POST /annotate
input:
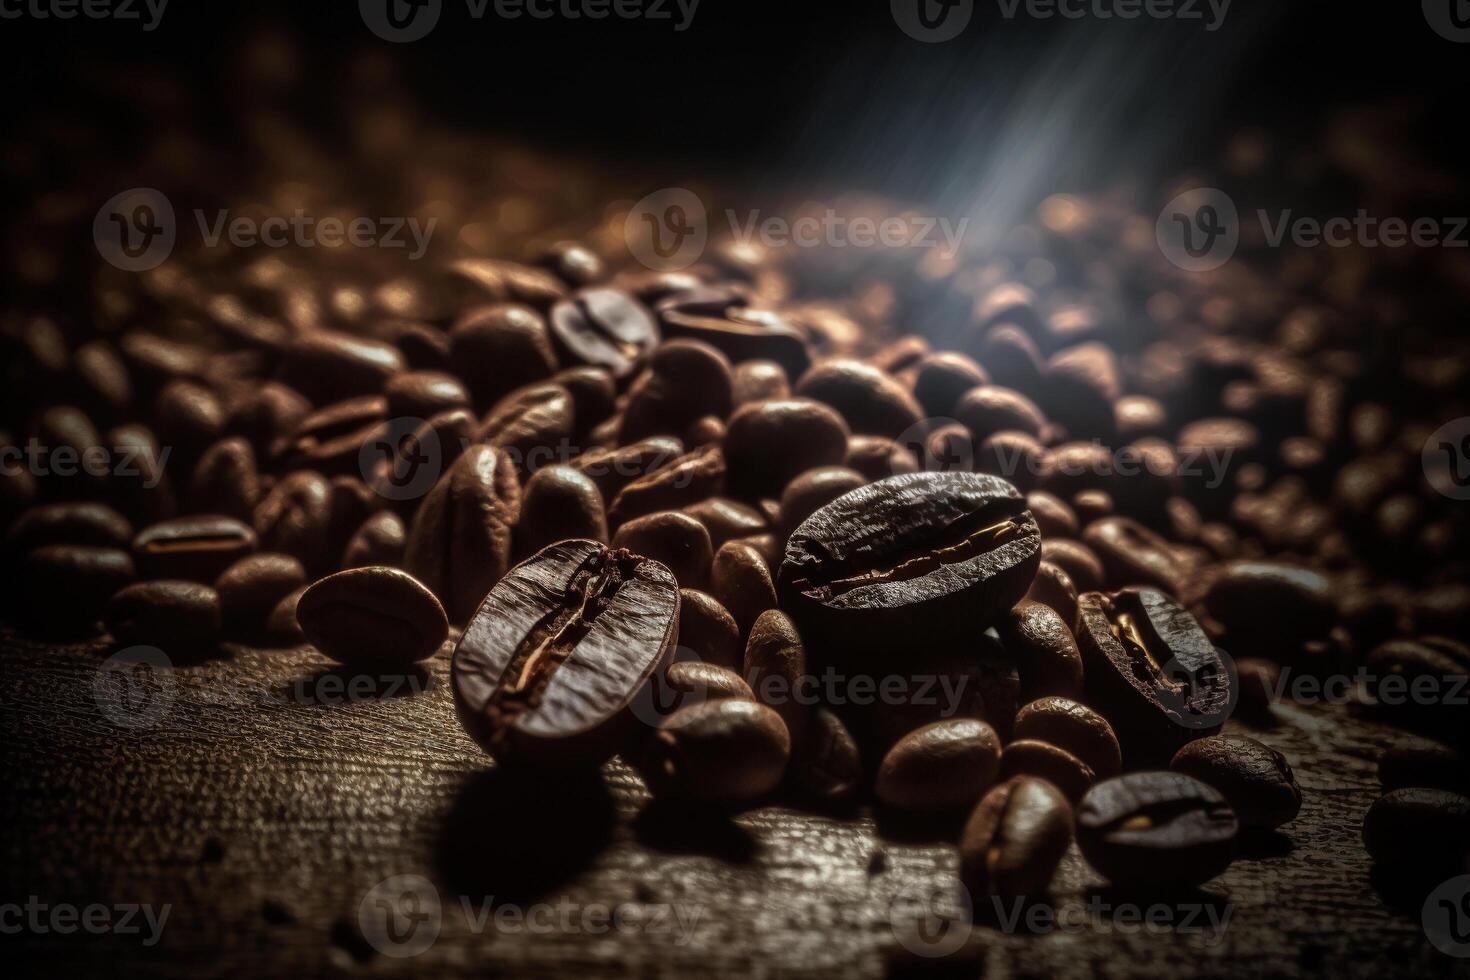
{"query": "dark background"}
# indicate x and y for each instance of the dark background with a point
(771, 91)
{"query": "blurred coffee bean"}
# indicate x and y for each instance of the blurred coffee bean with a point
(226, 480)
(557, 503)
(770, 442)
(1054, 516)
(675, 539)
(176, 616)
(613, 469)
(606, 328)
(373, 616)
(941, 378)
(877, 457)
(726, 519)
(329, 367)
(1080, 563)
(725, 751)
(251, 587)
(424, 394)
(1286, 603)
(707, 628)
(80, 522)
(686, 480)
(1418, 829)
(685, 381)
(989, 409)
(296, 518)
(826, 767)
(869, 400)
(813, 490)
(65, 587)
(533, 425)
(379, 540)
(496, 349)
(1422, 763)
(1055, 588)
(1156, 829)
(193, 548)
(755, 381)
(776, 669)
(1131, 554)
(741, 581)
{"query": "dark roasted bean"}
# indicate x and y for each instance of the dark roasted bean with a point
(1156, 828)
(1046, 654)
(1255, 779)
(707, 628)
(769, 442)
(1419, 828)
(250, 588)
(725, 751)
(193, 548)
(552, 661)
(1025, 757)
(677, 540)
(947, 765)
(606, 328)
(1015, 839)
(1074, 727)
(372, 616)
(496, 349)
(171, 614)
(558, 502)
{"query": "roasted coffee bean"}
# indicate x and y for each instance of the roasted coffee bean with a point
(1413, 682)
(267, 413)
(176, 616)
(1152, 671)
(1288, 604)
(329, 367)
(878, 458)
(296, 518)
(250, 588)
(1081, 386)
(912, 556)
(106, 387)
(707, 628)
(331, 439)
(1054, 516)
(1045, 651)
(1054, 587)
(380, 540)
(1075, 727)
(755, 381)
(480, 279)
(1131, 554)
(676, 540)
(372, 616)
(1255, 779)
(740, 580)
(685, 381)
(404, 471)
(826, 767)
(727, 520)
(697, 679)
(574, 263)
(966, 677)
(726, 751)
(424, 347)
(947, 765)
(496, 349)
(1136, 416)
(869, 400)
(594, 395)
(687, 479)
(187, 417)
(1156, 829)
(192, 548)
(558, 502)
(989, 409)
(1426, 764)
(1025, 757)
(719, 317)
(70, 448)
(83, 523)
(1015, 839)
(814, 490)
(606, 328)
(281, 627)
(949, 447)
(1016, 456)
(66, 586)
(424, 394)
(614, 469)
(1259, 680)
(533, 424)
(1080, 562)
(460, 542)
(552, 661)
(769, 442)
(941, 378)
(1418, 828)
(142, 489)
(226, 480)
(776, 667)
(1092, 506)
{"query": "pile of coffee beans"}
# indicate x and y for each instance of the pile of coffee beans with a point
(737, 527)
